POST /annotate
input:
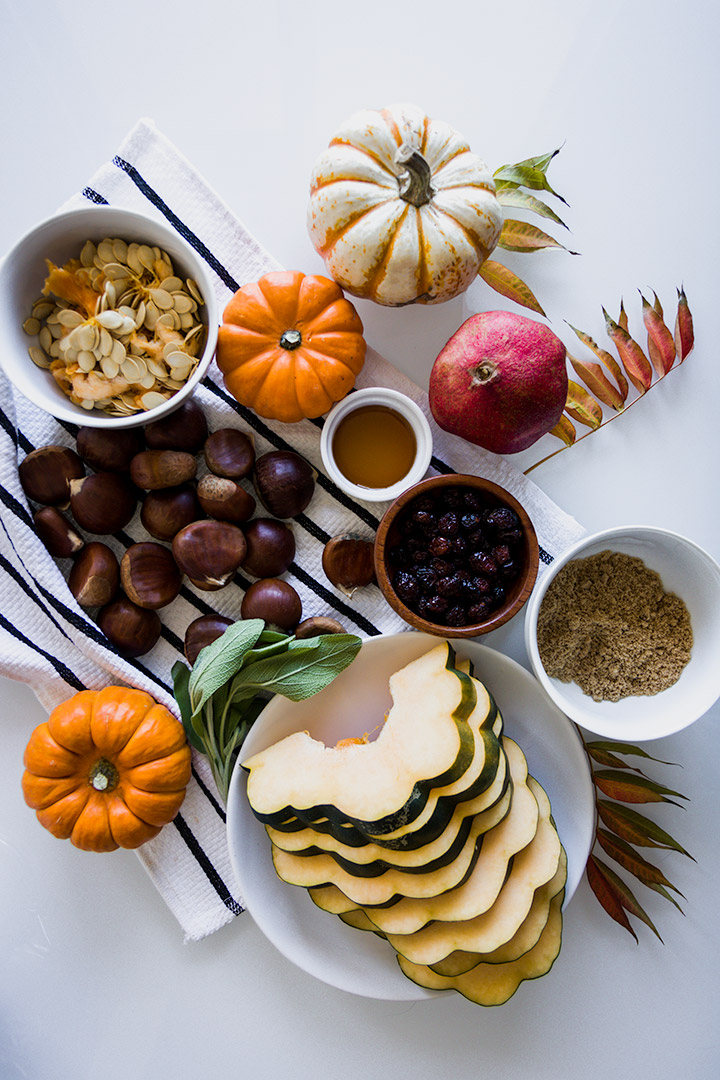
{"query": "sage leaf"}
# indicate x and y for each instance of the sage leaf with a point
(218, 662)
(302, 671)
(636, 828)
(508, 284)
(181, 676)
(508, 195)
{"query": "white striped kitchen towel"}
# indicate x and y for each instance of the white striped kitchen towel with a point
(49, 642)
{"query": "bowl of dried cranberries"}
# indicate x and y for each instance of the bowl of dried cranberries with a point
(456, 555)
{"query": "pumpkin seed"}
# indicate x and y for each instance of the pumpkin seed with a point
(147, 382)
(42, 308)
(192, 288)
(45, 338)
(109, 368)
(118, 353)
(120, 250)
(31, 326)
(162, 299)
(106, 342)
(86, 361)
(152, 399)
(133, 369)
(87, 336)
(183, 303)
(88, 253)
(158, 369)
(105, 251)
(39, 356)
(110, 320)
(70, 318)
(146, 256)
(171, 284)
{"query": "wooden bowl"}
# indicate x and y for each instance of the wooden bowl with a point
(493, 496)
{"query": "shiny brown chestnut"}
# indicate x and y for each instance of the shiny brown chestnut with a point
(317, 625)
(270, 547)
(133, 630)
(230, 452)
(149, 575)
(45, 474)
(284, 483)
(203, 631)
(349, 563)
(225, 499)
(166, 511)
(102, 502)
(109, 451)
(155, 469)
(209, 552)
(95, 575)
(185, 429)
(275, 601)
(56, 533)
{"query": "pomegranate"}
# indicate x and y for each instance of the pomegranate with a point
(500, 382)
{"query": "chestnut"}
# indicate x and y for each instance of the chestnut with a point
(153, 469)
(45, 474)
(349, 563)
(270, 547)
(209, 552)
(131, 629)
(225, 499)
(230, 452)
(273, 600)
(95, 575)
(109, 451)
(56, 533)
(317, 625)
(185, 429)
(102, 502)
(166, 511)
(202, 632)
(284, 482)
(149, 575)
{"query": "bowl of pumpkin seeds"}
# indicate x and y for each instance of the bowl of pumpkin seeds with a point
(108, 317)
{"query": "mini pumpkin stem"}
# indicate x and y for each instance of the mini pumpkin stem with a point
(291, 339)
(415, 184)
(103, 775)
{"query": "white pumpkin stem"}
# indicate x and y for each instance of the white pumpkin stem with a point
(415, 181)
(484, 373)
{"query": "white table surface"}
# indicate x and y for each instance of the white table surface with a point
(94, 977)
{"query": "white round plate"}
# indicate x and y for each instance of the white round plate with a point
(355, 703)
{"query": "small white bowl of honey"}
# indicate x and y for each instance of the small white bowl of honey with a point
(375, 444)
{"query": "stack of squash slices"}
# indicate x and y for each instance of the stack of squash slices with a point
(433, 835)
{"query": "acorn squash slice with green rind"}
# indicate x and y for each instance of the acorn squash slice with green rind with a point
(494, 984)
(513, 833)
(425, 742)
(489, 804)
(479, 891)
(522, 940)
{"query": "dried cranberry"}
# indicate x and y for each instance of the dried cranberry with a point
(456, 616)
(481, 562)
(510, 536)
(450, 585)
(480, 585)
(424, 502)
(479, 612)
(478, 540)
(471, 500)
(502, 517)
(407, 527)
(458, 547)
(453, 498)
(424, 520)
(440, 546)
(420, 556)
(469, 522)
(406, 586)
(509, 570)
(426, 577)
(501, 554)
(448, 524)
(433, 607)
(441, 567)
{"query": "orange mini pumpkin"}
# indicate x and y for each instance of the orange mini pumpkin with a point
(107, 769)
(290, 346)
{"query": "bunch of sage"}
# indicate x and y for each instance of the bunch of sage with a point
(233, 679)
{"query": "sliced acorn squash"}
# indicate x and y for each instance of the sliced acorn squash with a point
(494, 984)
(481, 888)
(425, 742)
(490, 850)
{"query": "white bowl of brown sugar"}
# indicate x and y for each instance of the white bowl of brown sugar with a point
(623, 633)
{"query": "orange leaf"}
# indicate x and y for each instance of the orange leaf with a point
(607, 894)
(503, 281)
(610, 363)
(522, 236)
(622, 317)
(564, 430)
(661, 345)
(684, 336)
(582, 407)
(636, 828)
(634, 360)
(632, 789)
(597, 382)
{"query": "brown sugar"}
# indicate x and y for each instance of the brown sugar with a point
(607, 624)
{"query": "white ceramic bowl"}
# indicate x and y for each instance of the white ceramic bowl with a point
(321, 943)
(22, 275)
(391, 399)
(690, 573)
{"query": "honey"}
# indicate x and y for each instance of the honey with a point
(374, 446)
